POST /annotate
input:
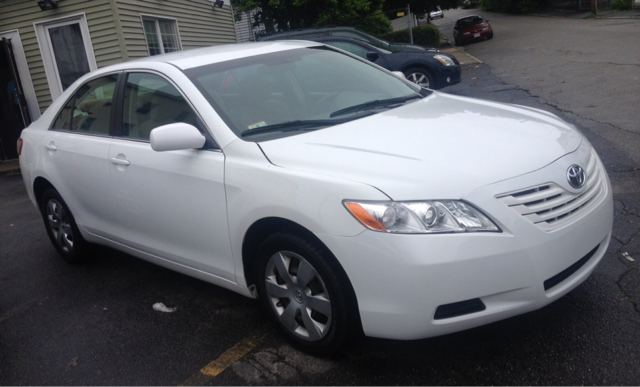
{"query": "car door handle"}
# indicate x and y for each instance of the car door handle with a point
(120, 161)
(51, 147)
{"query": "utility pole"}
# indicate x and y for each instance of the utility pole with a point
(411, 23)
(594, 7)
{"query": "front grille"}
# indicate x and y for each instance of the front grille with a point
(566, 273)
(550, 206)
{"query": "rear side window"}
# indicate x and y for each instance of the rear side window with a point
(348, 34)
(350, 47)
(89, 109)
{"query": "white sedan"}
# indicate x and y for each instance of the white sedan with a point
(347, 199)
(436, 13)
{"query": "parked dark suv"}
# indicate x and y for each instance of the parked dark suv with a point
(344, 32)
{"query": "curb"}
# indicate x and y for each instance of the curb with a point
(9, 167)
(459, 49)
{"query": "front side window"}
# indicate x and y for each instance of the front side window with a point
(161, 35)
(151, 101)
(89, 109)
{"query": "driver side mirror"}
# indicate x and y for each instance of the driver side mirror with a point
(372, 55)
(178, 136)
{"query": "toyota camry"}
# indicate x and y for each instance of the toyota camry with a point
(347, 199)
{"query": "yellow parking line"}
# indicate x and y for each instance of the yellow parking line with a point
(229, 357)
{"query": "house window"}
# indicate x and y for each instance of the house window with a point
(161, 34)
(66, 50)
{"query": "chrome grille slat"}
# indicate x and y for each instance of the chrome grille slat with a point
(550, 206)
(568, 207)
(538, 195)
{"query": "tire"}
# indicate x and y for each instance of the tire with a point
(420, 77)
(61, 227)
(288, 297)
(458, 42)
(490, 37)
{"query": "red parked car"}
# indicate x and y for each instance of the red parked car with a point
(471, 28)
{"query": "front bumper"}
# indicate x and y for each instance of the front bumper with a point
(401, 281)
(448, 76)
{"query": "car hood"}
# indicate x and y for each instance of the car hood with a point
(440, 147)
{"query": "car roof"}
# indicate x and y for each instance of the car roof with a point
(469, 17)
(304, 31)
(214, 54)
(343, 38)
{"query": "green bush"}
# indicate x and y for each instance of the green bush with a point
(425, 35)
(512, 6)
(374, 25)
(621, 5)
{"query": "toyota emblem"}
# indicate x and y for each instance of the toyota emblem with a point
(576, 176)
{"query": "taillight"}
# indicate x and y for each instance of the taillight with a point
(20, 142)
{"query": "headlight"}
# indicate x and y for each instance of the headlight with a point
(445, 60)
(434, 216)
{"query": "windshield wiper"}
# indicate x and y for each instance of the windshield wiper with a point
(291, 126)
(378, 103)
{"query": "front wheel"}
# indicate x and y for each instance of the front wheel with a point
(420, 77)
(304, 292)
(61, 227)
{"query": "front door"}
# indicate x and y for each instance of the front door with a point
(169, 204)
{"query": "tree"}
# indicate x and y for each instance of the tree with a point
(419, 7)
(282, 15)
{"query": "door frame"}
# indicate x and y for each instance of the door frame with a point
(23, 72)
(48, 56)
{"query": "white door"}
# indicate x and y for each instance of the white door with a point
(170, 204)
(77, 147)
(66, 50)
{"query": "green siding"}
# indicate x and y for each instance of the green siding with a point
(118, 38)
(199, 25)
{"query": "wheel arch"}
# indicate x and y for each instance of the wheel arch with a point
(40, 184)
(263, 228)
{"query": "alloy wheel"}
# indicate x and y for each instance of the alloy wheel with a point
(419, 79)
(60, 226)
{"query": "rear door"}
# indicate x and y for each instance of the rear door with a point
(77, 146)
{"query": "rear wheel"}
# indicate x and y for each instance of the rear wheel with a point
(304, 292)
(420, 77)
(61, 227)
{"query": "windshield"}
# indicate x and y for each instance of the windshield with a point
(297, 90)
